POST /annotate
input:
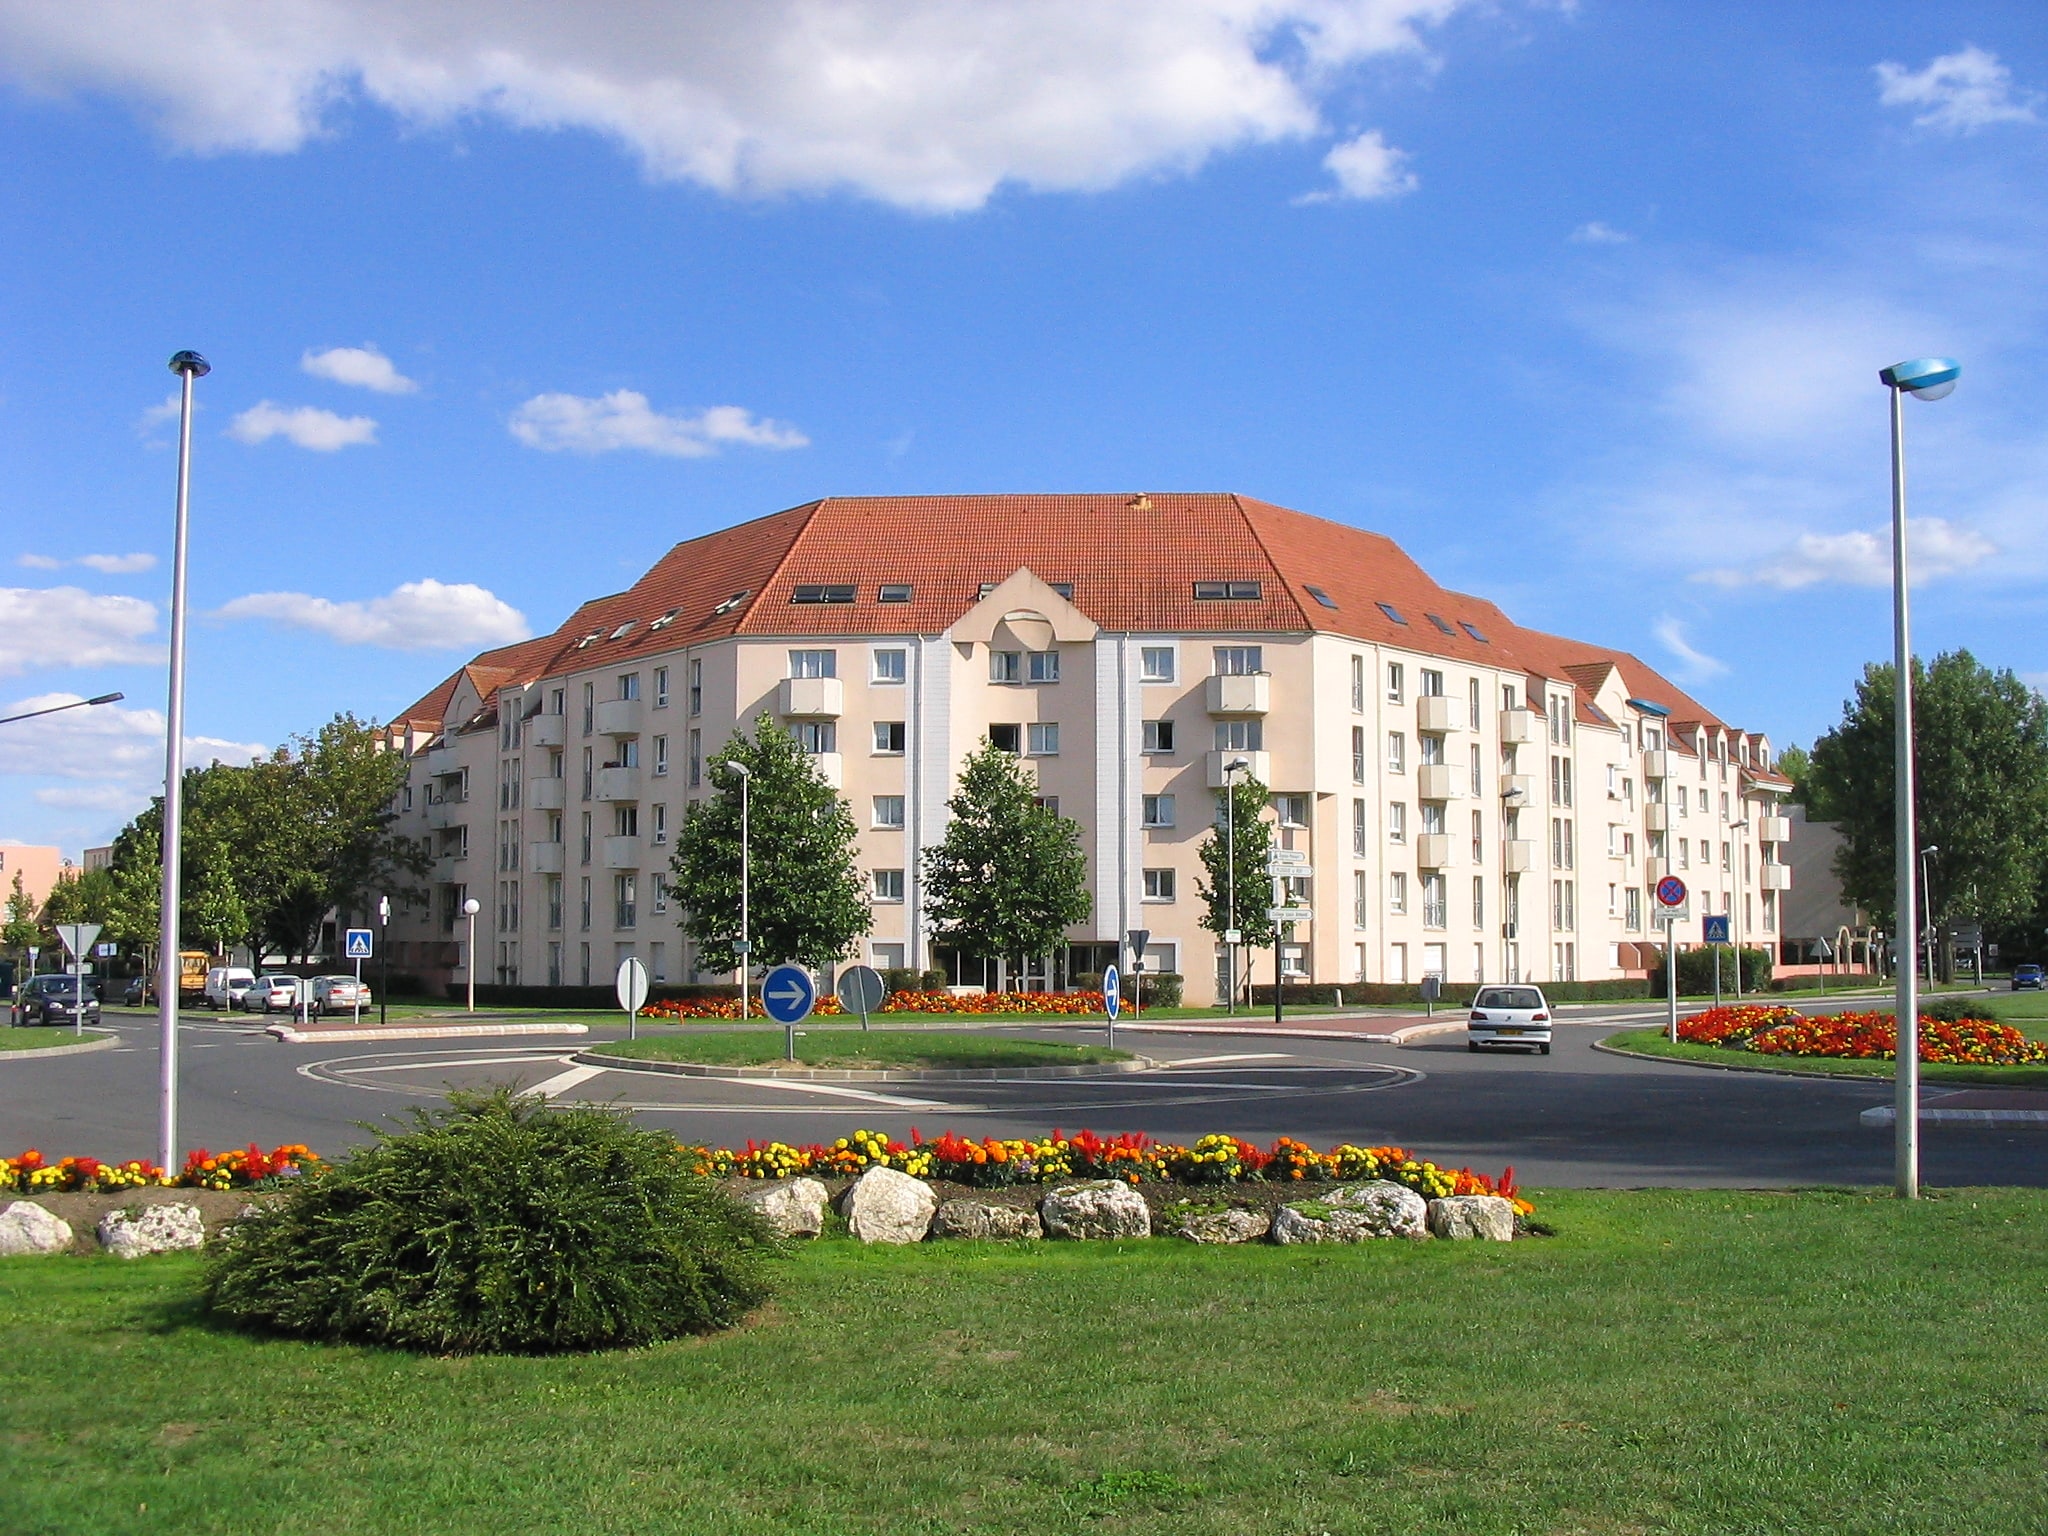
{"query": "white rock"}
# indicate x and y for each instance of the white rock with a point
(153, 1229)
(793, 1207)
(1095, 1208)
(981, 1220)
(885, 1206)
(1488, 1217)
(1224, 1226)
(1352, 1213)
(26, 1227)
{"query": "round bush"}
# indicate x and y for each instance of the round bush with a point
(499, 1225)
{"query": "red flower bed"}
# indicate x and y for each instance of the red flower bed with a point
(1860, 1037)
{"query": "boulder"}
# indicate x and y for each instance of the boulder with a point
(153, 1229)
(1095, 1208)
(793, 1207)
(1352, 1213)
(884, 1206)
(26, 1227)
(1224, 1227)
(977, 1219)
(1487, 1217)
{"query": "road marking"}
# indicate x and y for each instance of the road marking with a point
(447, 1061)
(1204, 1061)
(836, 1091)
(562, 1082)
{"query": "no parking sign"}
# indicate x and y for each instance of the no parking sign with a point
(1674, 901)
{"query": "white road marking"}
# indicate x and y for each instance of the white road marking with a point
(431, 1062)
(562, 1082)
(1204, 1061)
(834, 1090)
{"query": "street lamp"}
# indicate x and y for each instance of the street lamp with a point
(1929, 378)
(744, 950)
(470, 908)
(1927, 910)
(187, 366)
(105, 698)
(1231, 932)
(384, 949)
(1741, 890)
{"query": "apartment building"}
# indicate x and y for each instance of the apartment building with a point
(1476, 800)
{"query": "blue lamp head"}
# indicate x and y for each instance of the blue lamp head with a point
(1926, 378)
(192, 363)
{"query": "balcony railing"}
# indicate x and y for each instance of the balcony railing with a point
(1516, 726)
(615, 783)
(547, 794)
(1656, 764)
(1435, 850)
(444, 762)
(813, 697)
(544, 858)
(1774, 829)
(1656, 817)
(1439, 712)
(622, 853)
(1258, 765)
(1518, 856)
(1441, 781)
(1240, 693)
(1775, 877)
(546, 730)
(617, 717)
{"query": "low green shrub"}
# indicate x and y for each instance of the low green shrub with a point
(1696, 971)
(498, 1225)
(1162, 989)
(1953, 1010)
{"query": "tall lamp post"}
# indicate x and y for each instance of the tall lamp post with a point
(1927, 909)
(744, 950)
(1930, 378)
(384, 950)
(187, 366)
(1231, 932)
(470, 908)
(1734, 907)
(105, 698)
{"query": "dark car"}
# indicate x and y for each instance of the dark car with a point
(2028, 976)
(54, 1000)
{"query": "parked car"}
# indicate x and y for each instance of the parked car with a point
(223, 982)
(1509, 1015)
(2028, 976)
(275, 993)
(139, 991)
(54, 1000)
(339, 994)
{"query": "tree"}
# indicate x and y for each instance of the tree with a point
(1253, 836)
(21, 931)
(1797, 765)
(1009, 877)
(806, 903)
(1981, 760)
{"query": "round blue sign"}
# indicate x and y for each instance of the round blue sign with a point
(1112, 992)
(1671, 891)
(788, 993)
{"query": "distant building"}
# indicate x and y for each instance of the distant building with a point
(99, 858)
(40, 870)
(1478, 800)
(1815, 908)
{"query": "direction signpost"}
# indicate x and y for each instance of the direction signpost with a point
(1137, 939)
(632, 990)
(861, 989)
(1112, 1000)
(789, 994)
(1283, 864)
(78, 939)
(1674, 906)
(1714, 930)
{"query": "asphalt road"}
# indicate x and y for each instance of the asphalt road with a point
(1575, 1117)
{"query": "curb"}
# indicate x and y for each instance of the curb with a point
(597, 1058)
(293, 1036)
(1886, 1114)
(104, 1043)
(1743, 1066)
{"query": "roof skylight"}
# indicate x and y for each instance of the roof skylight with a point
(1438, 620)
(623, 630)
(1391, 612)
(1320, 595)
(1227, 591)
(1473, 630)
(665, 620)
(823, 592)
(732, 602)
(894, 592)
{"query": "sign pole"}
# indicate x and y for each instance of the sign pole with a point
(359, 992)
(384, 945)
(1671, 977)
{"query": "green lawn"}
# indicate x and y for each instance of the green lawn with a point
(1670, 1362)
(1652, 1042)
(42, 1039)
(854, 1047)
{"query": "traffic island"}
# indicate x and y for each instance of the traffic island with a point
(866, 1056)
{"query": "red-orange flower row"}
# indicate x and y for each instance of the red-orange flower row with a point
(1860, 1037)
(238, 1168)
(1068, 1004)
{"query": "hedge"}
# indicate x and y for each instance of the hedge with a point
(493, 995)
(1456, 994)
(1696, 972)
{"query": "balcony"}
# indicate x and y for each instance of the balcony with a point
(546, 730)
(617, 717)
(813, 697)
(1522, 786)
(612, 783)
(448, 811)
(1257, 765)
(1241, 693)
(544, 858)
(1774, 829)
(622, 853)
(1775, 877)
(1655, 869)
(1656, 765)
(1439, 712)
(1517, 856)
(1657, 817)
(444, 762)
(546, 794)
(449, 868)
(1516, 726)
(1441, 781)
(831, 767)
(1433, 850)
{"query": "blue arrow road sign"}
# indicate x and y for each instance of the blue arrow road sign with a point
(788, 993)
(1112, 992)
(358, 944)
(1716, 929)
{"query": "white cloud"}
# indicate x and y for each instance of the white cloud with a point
(1597, 233)
(162, 415)
(418, 616)
(321, 431)
(624, 419)
(39, 562)
(926, 104)
(1934, 548)
(117, 565)
(111, 759)
(1960, 92)
(1365, 167)
(1695, 665)
(364, 367)
(69, 627)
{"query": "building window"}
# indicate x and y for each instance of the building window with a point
(1157, 810)
(1478, 773)
(1397, 687)
(625, 821)
(1397, 892)
(1292, 810)
(1770, 910)
(1005, 666)
(1478, 837)
(657, 960)
(1561, 841)
(888, 885)
(816, 736)
(1358, 754)
(1240, 735)
(584, 962)
(661, 687)
(1227, 591)
(888, 810)
(891, 665)
(554, 893)
(659, 816)
(1042, 738)
(1432, 682)
(660, 756)
(1159, 885)
(813, 663)
(1433, 823)
(1472, 705)
(889, 738)
(586, 838)
(1632, 909)
(1397, 752)
(626, 909)
(1361, 899)
(1048, 803)
(894, 592)
(589, 705)
(657, 890)
(584, 906)
(1006, 738)
(1359, 825)
(1478, 901)
(1155, 664)
(823, 592)
(1239, 660)
(1358, 685)
(1159, 737)
(1435, 904)
(697, 687)
(696, 758)
(1397, 822)
(629, 685)
(1043, 667)
(1431, 751)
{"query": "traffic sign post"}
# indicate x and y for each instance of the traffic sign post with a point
(1674, 906)
(631, 985)
(1714, 930)
(78, 939)
(357, 948)
(1137, 939)
(861, 989)
(1112, 1000)
(789, 994)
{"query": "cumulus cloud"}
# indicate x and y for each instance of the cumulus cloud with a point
(110, 759)
(624, 419)
(1365, 167)
(106, 565)
(1935, 548)
(1959, 92)
(1597, 233)
(40, 562)
(162, 415)
(69, 627)
(1694, 665)
(364, 367)
(926, 104)
(424, 615)
(309, 427)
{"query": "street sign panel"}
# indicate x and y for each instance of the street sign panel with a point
(357, 946)
(632, 985)
(1714, 928)
(78, 937)
(1290, 914)
(1674, 901)
(1287, 857)
(106, 951)
(861, 989)
(1291, 871)
(788, 993)
(1112, 993)
(1136, 939)
(1233, 935)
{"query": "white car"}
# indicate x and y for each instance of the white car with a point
(225, 985)
(277, 993)
(1509, 1015)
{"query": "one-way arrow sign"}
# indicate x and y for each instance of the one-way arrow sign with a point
(788, 993)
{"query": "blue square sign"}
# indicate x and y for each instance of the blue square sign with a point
(1716, 929)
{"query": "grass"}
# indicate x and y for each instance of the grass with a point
(1679, 1362)
(875, 1048)
(38, 1039)
(1652, 1042)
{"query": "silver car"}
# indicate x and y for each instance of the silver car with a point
(1515, 1014)
(339, 994)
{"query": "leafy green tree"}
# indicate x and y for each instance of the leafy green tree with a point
(1253, 844)
(806, 901)
(22, 930)
(1009, 877)
(1796, 763)
(1981, 762)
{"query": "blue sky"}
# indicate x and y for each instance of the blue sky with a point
(1581, 303)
